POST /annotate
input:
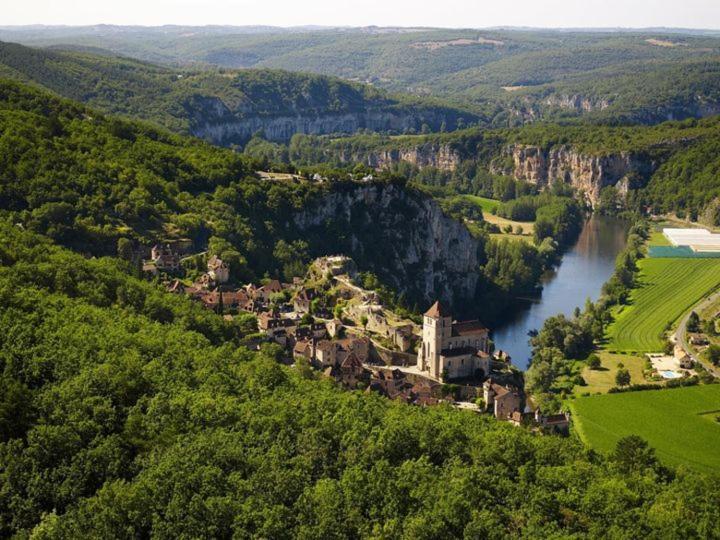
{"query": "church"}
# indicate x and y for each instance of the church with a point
(451, 349)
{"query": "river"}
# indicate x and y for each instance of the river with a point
(580, 275)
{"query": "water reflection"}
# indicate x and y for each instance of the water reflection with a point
(581, 274)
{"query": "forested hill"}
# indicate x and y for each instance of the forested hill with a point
(508, 76)
(126, 412)
(88, 181)
(224, 106)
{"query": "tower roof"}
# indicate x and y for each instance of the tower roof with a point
(437, 311)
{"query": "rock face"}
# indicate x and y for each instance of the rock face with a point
(439, 156)
(587, 173)
(403, 237)
(212, 120)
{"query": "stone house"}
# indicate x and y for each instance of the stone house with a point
(501, 400)
(403, 337)
(334, 327)
(218, 270)
(303, 349)
(164, 258)
(266, 291)
(329, 353)
(303, 300)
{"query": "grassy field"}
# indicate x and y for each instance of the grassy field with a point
(657, 238)
(668, 288)
(603, 379)
(679, 423)
(487, 205)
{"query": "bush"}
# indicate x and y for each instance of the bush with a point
(594, 362)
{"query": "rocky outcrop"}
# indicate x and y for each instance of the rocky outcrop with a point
(439, 156)
(212, 120)
(587, 173)
(400, 235)
(576, 102)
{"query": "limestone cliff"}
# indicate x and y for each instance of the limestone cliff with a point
(400, 235)
(436, 155)
(213, 120)
(587, 173)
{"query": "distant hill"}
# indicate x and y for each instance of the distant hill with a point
(223, 106)
(507, 76)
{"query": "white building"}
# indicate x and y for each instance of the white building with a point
(450, 349)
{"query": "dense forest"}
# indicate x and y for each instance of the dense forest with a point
(127, 412)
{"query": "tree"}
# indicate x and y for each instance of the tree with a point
(693, 322)
(633, 454)
(364, 321)
(124, 249)
(713, 354)
(594, 362)
(622, 377)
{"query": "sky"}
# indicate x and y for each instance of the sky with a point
(437, 13)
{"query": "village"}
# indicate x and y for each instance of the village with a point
(328, 322)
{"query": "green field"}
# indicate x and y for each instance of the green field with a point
(668, 288)
(679, 423)
(657, 238)
(487, 205)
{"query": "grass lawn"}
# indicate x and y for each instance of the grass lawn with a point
(668, 288)
(602, 380)
(679, 423)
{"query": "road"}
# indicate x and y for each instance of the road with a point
(681, 333)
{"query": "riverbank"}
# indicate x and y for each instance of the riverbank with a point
(580, 275)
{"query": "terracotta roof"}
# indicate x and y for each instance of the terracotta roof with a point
(325, 345)
(437, 310)
(465, 328)
(352, 362)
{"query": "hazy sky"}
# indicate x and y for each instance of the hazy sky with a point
(449, 13)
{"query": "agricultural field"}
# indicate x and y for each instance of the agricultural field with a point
(667, 289)
(680, 423)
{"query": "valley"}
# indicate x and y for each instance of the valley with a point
(359, 282)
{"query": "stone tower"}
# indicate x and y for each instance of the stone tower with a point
(437, 329)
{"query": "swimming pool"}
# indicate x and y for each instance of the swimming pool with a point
(667, 374)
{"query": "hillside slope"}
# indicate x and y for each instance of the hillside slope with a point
(86, 181)
(508, 76)
(225, 107)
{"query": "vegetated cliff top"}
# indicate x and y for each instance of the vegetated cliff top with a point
(86, 181)
(177, 99)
